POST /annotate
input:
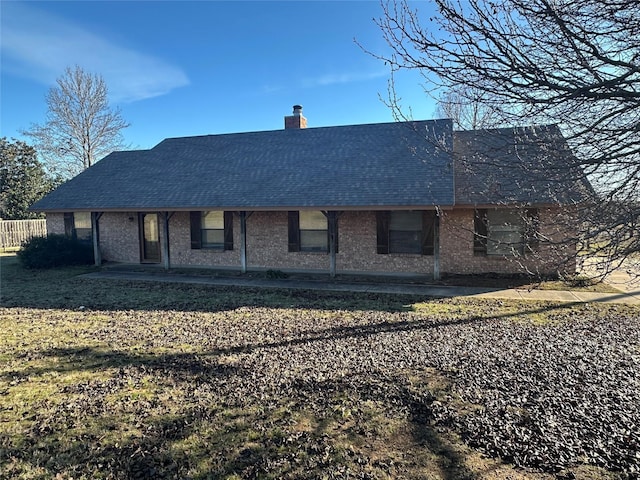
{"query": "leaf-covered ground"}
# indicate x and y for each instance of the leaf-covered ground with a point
(221, 383)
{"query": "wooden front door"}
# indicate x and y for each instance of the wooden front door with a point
(149, 238)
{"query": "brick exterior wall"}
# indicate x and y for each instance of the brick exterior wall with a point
(267, 245)
(358, 249)
(182, 254)
(55, 223)
(457, 256)
(119, 240)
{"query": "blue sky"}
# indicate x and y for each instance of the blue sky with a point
(195, 68)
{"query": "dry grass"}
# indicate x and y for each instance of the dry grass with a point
(122, 380)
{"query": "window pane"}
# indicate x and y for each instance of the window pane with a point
(82, 220)
(313, 231)
(504, 243)
(504, 219)
(406, 221)
(213, 238)
(213, 219)
(312, 220)
(404, 242)
(151, 227)
(505, 232)
(313, 240)
(405, 232)
(84, 235)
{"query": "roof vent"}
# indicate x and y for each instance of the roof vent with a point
(297, 120)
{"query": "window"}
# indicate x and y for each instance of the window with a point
(480, 232)
(82, 226)
(212, 230)
(406, 232)
(309, 231)
(78, 225)
(313, 232)
(504, 232)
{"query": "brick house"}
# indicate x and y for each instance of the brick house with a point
(393, 198)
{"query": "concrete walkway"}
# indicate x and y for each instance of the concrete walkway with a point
(626, 278)
(437, 291)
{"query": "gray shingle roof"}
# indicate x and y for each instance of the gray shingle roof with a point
(525, 165)
(378, 165)
(392, 165)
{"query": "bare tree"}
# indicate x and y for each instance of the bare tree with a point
(81, 127)
(468, 108)
(574, 63)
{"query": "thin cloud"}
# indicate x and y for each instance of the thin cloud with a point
(333, 79)
(39, 46)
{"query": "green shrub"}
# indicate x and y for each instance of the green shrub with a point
(54, 251)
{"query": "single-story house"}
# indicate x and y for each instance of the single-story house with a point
(412, 197)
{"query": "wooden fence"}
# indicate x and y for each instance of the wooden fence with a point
(14, 233)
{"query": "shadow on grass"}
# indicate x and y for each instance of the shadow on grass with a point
(63, 288)
(208, 421)
(95, 358)
(231, 434)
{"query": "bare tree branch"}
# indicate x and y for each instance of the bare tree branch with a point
(571, 63)
(469, 108)
(80, 128)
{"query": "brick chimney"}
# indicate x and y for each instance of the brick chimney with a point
(296, 120)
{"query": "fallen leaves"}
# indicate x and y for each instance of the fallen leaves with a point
(261, 392)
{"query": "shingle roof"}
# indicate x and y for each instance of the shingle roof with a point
(403, 164)
(525, 165)
(390, 165)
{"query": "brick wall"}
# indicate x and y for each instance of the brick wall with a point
(119, 240)
(267, 245)
(55, 223)
(180, 245)
(358, 249)
(456, 246)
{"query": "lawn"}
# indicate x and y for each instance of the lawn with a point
(108, 379)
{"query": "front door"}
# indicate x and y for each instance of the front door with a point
(149, 238)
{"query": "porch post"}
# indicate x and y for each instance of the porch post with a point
(332, 217)
(243, 241)
(95, 237)
(436, 247)
(165, 245)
